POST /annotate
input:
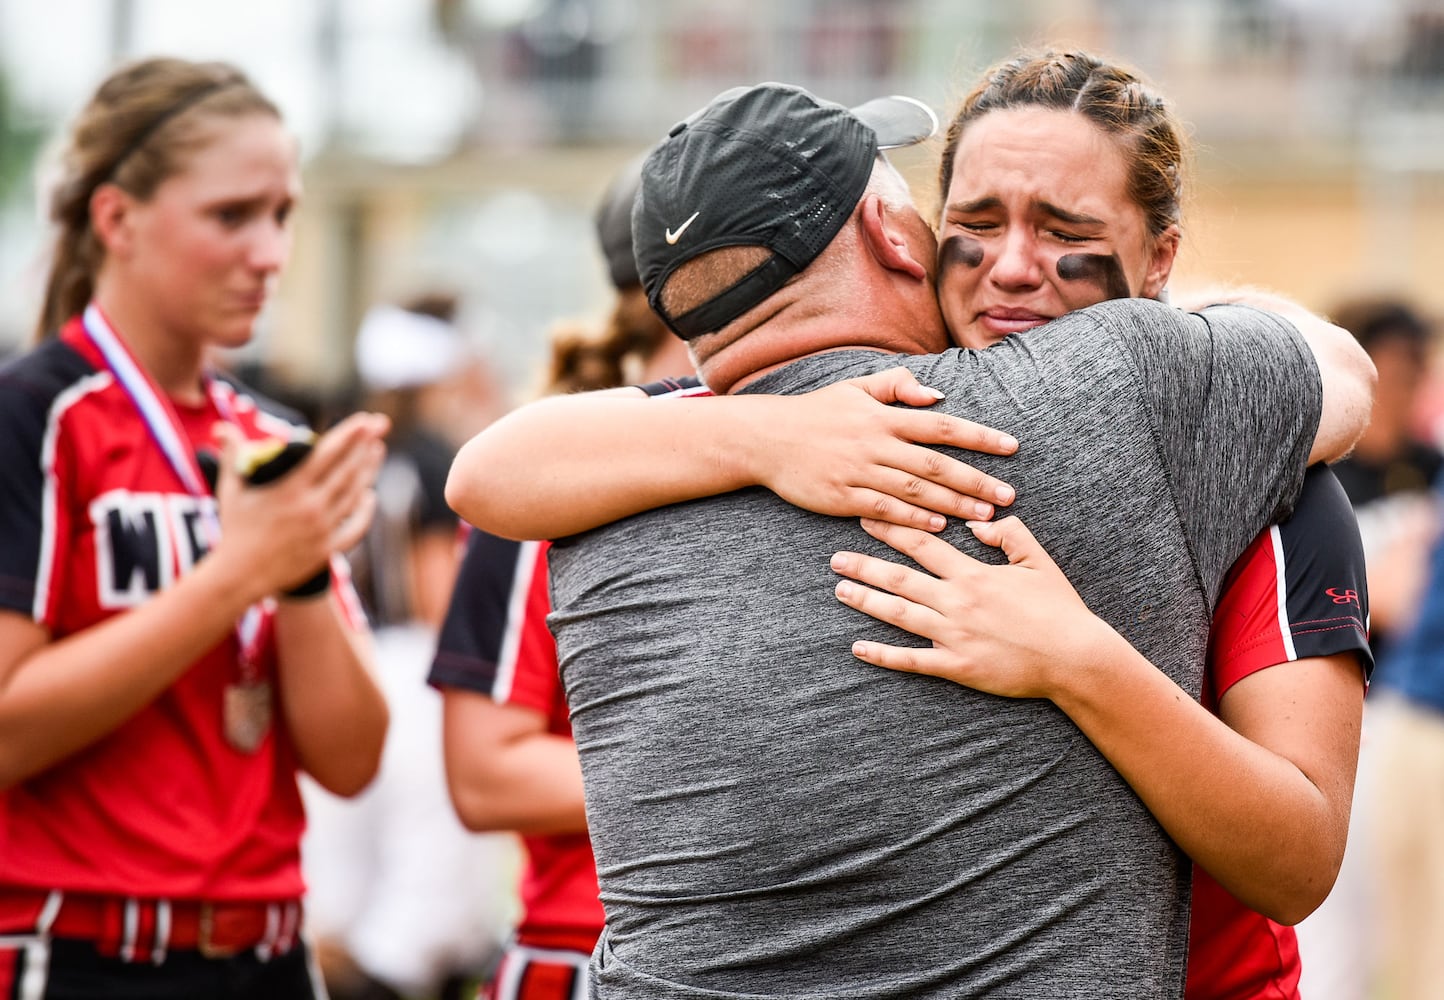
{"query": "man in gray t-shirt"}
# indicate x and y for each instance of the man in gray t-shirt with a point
(773, 817)
(769, 816)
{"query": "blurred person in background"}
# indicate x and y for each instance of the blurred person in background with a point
(407, 357)
(1387, 478)
(1388, 474)
(175, 643)
(384, 868)
(1405, 813)
(635, 345)
(510, 760)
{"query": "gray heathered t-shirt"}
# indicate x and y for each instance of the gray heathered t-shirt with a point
(772, 817)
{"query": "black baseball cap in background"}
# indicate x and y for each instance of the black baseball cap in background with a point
(614, 224)
(770, 166)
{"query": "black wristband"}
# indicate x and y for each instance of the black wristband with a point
(268, 463)
(315, 586)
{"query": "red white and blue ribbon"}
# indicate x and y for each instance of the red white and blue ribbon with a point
(155, 410)
(164, 426)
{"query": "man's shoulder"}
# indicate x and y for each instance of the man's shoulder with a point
(1171, 346)
(1118, 320)
(1147, 318)
(1150, 319)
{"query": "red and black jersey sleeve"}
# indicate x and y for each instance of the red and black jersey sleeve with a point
(495, 639)
(34, 391)
(685, 385)
(1298, 591)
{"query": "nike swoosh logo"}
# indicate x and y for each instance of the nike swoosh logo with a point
(674, 237)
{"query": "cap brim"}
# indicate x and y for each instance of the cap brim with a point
(897, 120)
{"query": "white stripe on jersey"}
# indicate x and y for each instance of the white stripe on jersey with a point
(526, 560)
(266, 421)
(1281, 593)
(700, 390)
(46, 563)
(35, 979)
(696, 390)
(344, 590)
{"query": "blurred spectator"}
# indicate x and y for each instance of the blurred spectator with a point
(1387, 479)
(633, 345)
(1408, 818)
(404, 357)
(1388, 474)
(384, 869)
(1422, 58)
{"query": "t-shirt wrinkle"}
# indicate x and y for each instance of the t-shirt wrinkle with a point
(1150, 419)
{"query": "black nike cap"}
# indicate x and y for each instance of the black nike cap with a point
(769, 166)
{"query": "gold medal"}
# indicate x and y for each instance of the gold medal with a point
(247, 714)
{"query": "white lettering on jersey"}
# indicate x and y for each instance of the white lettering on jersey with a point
(188, 522)
(143, 542)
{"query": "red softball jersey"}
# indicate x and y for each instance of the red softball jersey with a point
(1297, 592)
(93, 521)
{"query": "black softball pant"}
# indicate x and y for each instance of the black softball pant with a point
(63, 969)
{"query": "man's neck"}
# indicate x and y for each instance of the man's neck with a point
(796, 331)
(744, 382)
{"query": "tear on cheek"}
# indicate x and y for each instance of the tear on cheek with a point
(959, 251)
(1103, 271)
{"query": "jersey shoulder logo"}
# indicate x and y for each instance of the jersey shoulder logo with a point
(672, 237)
(1343, 596)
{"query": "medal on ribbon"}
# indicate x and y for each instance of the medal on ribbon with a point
(247, 713)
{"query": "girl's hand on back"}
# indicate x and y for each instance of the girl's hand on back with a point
(1012, 630)
(845, 451)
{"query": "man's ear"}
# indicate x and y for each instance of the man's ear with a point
(110, 218)
(886, 241)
